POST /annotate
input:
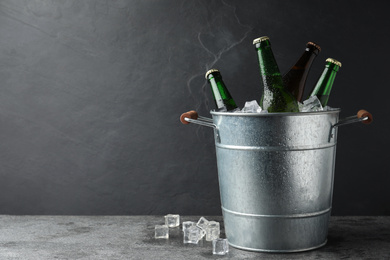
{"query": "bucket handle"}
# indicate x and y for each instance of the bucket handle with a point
(193, 117)
(361, 116)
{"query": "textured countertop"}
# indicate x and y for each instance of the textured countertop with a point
(132, 237)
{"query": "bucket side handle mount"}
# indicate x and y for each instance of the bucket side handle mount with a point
(361, 116)
(193, 117)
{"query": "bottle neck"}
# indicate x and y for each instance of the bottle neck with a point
(333, 67)
(216, 80)
(223, 99)
(327, 78)
(307, 58)
(295, 78)
(324, 84)
(269, 69)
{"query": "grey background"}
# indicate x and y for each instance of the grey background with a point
(91, 93)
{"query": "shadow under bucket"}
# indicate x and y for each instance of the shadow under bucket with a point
(276, 176)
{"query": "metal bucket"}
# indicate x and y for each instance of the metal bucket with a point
(276, 177)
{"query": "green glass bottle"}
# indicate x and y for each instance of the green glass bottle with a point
(223, 99)
(275, 98)
(325, 82)
(295, 79)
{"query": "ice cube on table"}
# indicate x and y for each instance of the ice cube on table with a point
(172, 220)
(220, 246)
(187, 224)
(202, 223)
(161, 231)
(212, 230)
(193, 234)
(312, 104)
(251, 107)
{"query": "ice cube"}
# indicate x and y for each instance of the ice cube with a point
(193, 234)
(328, 108)
(187, 224)
(172, 220)
(251, 107)
(312, 104)
(202, 223)
(212, 230)
(161, 231)
(220, 246)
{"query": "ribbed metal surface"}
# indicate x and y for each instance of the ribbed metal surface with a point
(276, 178)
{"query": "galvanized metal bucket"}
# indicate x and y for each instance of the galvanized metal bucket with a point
(276, 176)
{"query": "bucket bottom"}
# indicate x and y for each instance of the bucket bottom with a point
(278, 251)
(276, 233)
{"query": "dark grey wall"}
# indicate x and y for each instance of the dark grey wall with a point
(91, 93)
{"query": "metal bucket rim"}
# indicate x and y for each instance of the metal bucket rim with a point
(331, 111)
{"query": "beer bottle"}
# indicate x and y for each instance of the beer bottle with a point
(295, 79)
(325, 82)
(223, 99)
(275, 97)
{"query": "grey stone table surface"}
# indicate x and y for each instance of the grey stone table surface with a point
(132, 237)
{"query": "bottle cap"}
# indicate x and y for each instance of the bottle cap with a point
(334, 61)
(210, 71)
(257, 40)
(314, 45)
